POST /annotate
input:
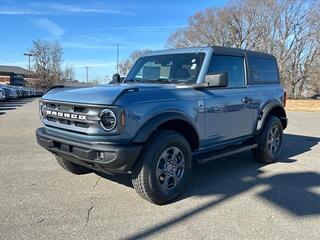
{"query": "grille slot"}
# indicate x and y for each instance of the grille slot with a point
(81, 124)
(64, 121)
(80, 109)
(51, 119)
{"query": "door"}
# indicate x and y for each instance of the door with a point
(229, 114)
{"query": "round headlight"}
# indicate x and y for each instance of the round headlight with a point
(108, 120)
(41, 107)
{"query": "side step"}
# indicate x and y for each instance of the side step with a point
(224, 153)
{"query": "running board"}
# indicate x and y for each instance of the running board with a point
(224, 153)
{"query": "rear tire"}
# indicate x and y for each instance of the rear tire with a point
(269, 141)
(71, 167)
(163, 170)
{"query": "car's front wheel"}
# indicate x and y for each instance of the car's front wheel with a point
(164, 167)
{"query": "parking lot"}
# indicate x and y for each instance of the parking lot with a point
(233, 198)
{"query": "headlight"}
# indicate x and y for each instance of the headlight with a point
(108, 119)
(41, 106)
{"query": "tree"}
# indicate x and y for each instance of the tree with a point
(47, 61)
(68, 74)
(291, 33)
(126, 64)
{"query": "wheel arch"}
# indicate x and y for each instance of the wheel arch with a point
(171, 121)
(273, 108)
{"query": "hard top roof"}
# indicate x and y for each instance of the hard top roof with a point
(215, 49)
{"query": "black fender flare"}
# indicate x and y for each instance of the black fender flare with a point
(154, 122)
(266, 109)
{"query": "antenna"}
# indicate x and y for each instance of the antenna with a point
(117, 57)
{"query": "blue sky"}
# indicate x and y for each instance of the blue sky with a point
(90, 30)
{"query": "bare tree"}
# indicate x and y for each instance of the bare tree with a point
(288, 29)
(126, 64)
(68, 74)
(47, 61)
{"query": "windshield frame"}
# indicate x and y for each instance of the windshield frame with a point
(199, 74)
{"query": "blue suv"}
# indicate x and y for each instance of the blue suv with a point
(175, 108)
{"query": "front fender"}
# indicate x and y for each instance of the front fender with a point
(153, 123)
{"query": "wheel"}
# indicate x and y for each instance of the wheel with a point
(164, 167)
(269, 141)
(71, 167)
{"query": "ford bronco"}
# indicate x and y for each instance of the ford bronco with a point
(175, 108)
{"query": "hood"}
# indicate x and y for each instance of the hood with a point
(104, 95)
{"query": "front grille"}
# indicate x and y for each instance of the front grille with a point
(73, 117)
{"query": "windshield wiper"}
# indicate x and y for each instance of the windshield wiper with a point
(165, 80)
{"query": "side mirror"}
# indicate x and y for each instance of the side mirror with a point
(116, 78)
(216, 80)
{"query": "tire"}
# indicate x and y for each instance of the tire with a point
(164, 167)
(269, 148)
(71, 167)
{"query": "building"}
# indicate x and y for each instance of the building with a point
(14, 75)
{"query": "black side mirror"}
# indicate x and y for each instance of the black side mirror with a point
(116, 78)
(216, 80)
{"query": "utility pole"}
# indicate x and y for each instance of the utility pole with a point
(117, 57)
(87, 68)
(29, 55)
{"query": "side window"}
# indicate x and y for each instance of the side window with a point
(263, 69)
(234, 65)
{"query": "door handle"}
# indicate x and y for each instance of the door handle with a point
(246, 100)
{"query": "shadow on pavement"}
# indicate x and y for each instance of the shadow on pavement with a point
(226, 178)
(13, 104)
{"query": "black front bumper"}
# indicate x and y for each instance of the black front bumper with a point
(100, 156)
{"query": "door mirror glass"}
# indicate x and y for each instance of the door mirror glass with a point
(216, 79)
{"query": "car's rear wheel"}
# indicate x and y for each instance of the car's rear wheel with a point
(164, 167)
(71, 167)
(269, 141)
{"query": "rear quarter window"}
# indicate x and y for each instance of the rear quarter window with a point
(263, 69)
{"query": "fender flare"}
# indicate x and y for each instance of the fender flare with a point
(154, 122)
(269, 106)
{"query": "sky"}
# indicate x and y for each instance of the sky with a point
(90, 30)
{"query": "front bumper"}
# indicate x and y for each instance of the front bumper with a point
(99, 156)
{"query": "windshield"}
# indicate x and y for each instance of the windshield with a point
(178, 68)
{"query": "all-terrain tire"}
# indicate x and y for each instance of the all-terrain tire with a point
(265, 153)
(150, 180)
(71, 167)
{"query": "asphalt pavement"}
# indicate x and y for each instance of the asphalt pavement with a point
(231, 198)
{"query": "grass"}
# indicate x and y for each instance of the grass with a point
(303, 105)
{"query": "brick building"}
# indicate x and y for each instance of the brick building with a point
(13, 75)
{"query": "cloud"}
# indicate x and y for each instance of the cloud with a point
(80, 45)
(17, 11)
(57, 9)
(90, 63)
(144, 28)
(93, 38)
(50, 26)
(78, 9)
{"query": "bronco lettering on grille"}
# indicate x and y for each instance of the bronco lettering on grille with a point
(65, 115)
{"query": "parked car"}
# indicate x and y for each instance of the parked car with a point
(317, 97)
(174, 109)
(2, 94)
(11, 93)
